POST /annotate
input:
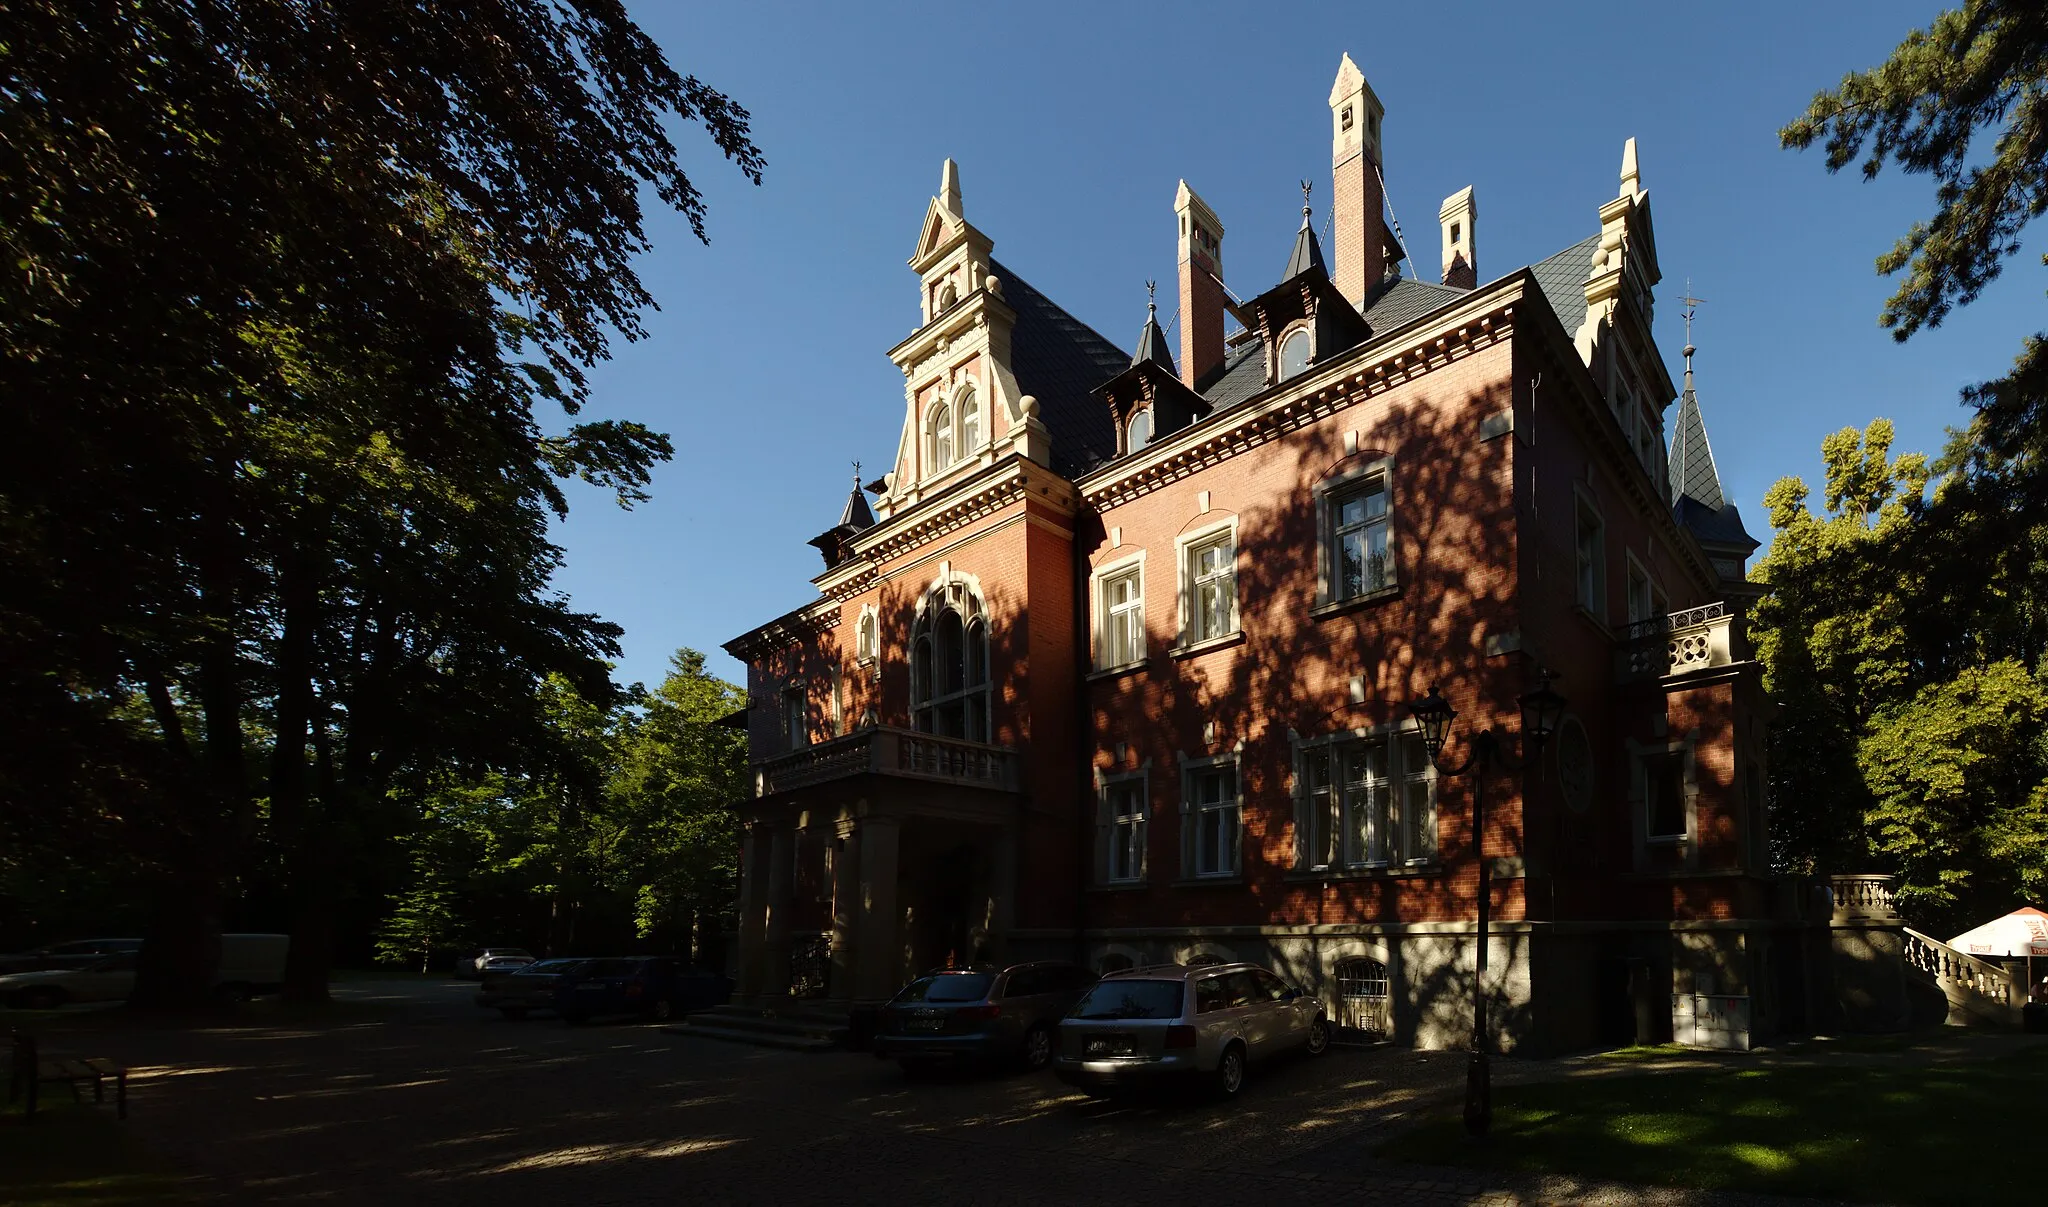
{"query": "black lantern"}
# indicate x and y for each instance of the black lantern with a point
(1434, 714)
(1542, 709)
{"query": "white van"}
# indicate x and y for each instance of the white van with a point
(249, 965)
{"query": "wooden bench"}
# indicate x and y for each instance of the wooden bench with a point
(31, 1070)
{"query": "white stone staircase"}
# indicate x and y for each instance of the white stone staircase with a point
(797, 1027)
(1979, 993)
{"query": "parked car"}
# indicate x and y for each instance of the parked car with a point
(504, 964)
(249, 965)
(985, 1015)
(76, 954)
(1141, 1026)
(469, 966)
(521, 991)
(653, 987)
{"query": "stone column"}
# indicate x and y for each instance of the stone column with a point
(753, 908)
(877, 945)
(775, 930)
(847, 911)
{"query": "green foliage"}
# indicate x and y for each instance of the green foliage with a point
(1982, 68)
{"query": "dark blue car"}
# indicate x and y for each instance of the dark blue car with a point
(653, 987)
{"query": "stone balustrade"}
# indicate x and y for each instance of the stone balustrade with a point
(1871, 897)
(1978, 991)
(885, 750)
(1681, 642)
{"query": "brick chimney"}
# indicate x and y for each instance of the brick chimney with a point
(1460, 219)
(1201, 289)
(1360, 245)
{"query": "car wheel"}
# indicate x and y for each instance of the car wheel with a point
(512, 1012)
(42, 997)
(1319, 1036)
(1037, 1049)
(1230, 1072)
(662, 1010)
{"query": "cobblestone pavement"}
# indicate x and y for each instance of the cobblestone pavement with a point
(439, 1104)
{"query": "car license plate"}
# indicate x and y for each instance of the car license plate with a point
(924, 1024)
(1109, 1045)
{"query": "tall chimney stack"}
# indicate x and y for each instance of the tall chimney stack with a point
(1460, 219)
(1201, 288)
(1361, 239)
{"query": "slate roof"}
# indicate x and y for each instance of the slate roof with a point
(1307, 252)
(857, 516)
(1692, 469)
(1058, 359)
(1723, 525)
(1562, 278)
(1405, 301)
(1152, 343)
(1244, 374)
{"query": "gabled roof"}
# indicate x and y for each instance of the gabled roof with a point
(1059, 359)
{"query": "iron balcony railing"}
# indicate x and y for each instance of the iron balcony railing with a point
(889, 751)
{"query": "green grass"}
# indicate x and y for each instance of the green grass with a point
(1647, 1052)
(1891, 1134)
(81, 1156)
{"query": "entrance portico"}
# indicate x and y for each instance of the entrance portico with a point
(887, 851)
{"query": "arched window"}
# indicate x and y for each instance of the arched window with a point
(948, 296)
(868, 637)
(1139, 433)
(949, 675)
(1362, 996)
(1294, 354)
(970, 422)
(941, 437)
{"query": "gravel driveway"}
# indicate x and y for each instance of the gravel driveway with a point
(439, 1103)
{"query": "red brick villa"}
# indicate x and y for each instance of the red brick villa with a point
(1118, 665)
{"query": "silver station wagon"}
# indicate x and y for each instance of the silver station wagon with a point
(1141, 1026)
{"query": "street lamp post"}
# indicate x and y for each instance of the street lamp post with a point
(1541, 710)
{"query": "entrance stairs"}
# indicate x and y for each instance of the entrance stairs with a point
(794, 1027)
(1979, 992)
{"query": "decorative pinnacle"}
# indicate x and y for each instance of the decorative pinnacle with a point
(1689, 302)
(856, 475)
(1307, 186)
(1151, 297)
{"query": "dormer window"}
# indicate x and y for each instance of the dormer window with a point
(1294, 354)
(948, 296)
(1138, 433)
(953, 431)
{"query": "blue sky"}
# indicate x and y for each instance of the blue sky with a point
(1072, 125)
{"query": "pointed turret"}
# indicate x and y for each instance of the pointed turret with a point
(835, 544)
(1152, 340)
(1698, 503)
(856, 515)
(1307, 252)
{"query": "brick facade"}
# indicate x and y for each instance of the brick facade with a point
(1491, 426)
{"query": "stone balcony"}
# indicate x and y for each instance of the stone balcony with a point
(888, 751)
(1695, 639)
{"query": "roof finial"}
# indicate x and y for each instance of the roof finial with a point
(1307, 186)
(1689, 302)
(856, 475)
(1151, 297)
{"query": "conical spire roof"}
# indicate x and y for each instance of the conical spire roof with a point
(1692, 471)
(856, 516)
(1152, 341)
(1307, 252)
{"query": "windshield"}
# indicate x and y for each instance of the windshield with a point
(947, 987)
(1119, 998)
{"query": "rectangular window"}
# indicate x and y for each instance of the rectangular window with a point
(1123, 618)
(1121, 834)
(1359, 558)
(1664, 794)
(1639, 606)
(795, 729)
(1592, 561)
(1212, 587)
(1366, 802)
(1212, 814)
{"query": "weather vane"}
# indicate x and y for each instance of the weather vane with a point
(1152, 295)
(1307, 186)
(856, 475)
(1689, 302)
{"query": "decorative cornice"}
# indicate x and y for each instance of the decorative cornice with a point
(1374, 367)
(787, 630)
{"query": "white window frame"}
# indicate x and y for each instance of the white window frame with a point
(1389, 834)
(1110, 825)
(1185, 548)
(1329, 494)
(1640, 754)
(1597, 605)
(796, 725)
(948, 417)
(1101, 579)
(963, 597)
(1633, 573)
(867, 636)
(1307, 333)
(1194, 815)
(1131, 444)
